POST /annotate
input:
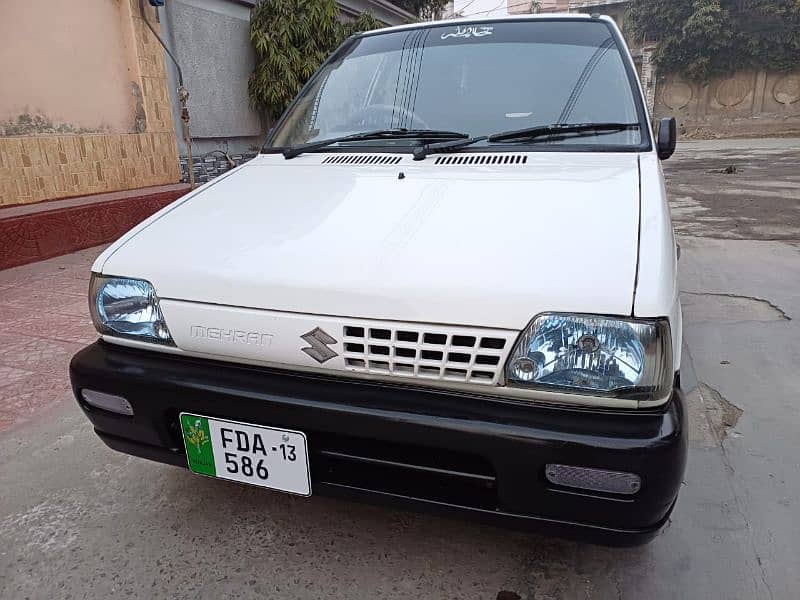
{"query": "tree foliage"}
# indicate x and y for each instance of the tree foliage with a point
(426, 9)
(703, 38)
(291, 38)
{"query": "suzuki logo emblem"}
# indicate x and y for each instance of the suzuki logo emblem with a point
(318, 342)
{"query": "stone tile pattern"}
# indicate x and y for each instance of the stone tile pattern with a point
(213, 165)
(49, 233)
(44, 320)
(59, 166)
(153, 75)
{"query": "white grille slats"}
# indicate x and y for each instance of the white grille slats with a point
(465, 355)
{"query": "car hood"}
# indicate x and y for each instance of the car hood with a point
(471, 244)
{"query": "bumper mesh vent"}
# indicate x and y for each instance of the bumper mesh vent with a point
(362, 159)
(597, 480)
(458, 355)
(482, 159)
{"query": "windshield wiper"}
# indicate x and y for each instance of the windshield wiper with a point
(398, 133)
(560, 128)
(530, 133)
(420, 152)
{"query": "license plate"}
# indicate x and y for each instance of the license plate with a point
(264, 456)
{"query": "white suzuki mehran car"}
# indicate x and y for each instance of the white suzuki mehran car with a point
(448, 282)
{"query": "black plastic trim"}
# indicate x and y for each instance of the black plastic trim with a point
(485, 458)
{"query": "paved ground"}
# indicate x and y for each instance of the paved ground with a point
(43, 321)
(737, 189)
(77, 520)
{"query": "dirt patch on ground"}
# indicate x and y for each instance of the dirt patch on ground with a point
(701, 307)
(711, 416)
(735, 193)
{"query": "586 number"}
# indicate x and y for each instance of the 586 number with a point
(246, 466)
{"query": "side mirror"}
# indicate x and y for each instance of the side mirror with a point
(667, 137)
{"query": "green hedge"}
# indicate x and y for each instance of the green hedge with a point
(291, 39)
(703, 38)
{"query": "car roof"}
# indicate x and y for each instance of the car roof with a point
(476, 20)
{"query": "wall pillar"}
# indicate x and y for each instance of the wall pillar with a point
(760, 90)
(649, 78)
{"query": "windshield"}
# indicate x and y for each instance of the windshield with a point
(475, 79)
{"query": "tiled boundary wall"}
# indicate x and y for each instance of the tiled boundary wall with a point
(30, 232)
(747, 103)
(213, 165)
(136, 151)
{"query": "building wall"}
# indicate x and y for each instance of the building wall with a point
(745, 104)
(42, 78)
(383, 10)
(593, 5)
(545, 6)
(480, 8)
(85, 106)
(612, 8)
(211, 40)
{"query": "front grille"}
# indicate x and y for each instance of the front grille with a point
(403, 469)
(447, 354)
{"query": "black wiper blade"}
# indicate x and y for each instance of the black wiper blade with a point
(420, 152)
(293, 151)
(431, 134)
(558, 129)
(374, 135)
(521, 134)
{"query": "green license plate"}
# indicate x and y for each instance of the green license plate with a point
(264, 456)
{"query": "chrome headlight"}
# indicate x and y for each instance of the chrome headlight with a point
(584, 354)
(128, 308)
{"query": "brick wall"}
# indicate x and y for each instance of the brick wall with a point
(44, 167)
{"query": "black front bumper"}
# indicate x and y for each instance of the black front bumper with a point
(408, 446)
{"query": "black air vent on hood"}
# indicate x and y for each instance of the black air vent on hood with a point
(362, 159)
(482, 159)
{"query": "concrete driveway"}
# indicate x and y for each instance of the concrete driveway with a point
(80, 521)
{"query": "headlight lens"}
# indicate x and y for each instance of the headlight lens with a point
(594, 355)
(128, 308)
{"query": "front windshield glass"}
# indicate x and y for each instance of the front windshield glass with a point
(477, 79)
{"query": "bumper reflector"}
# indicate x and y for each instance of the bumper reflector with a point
(598, 480)
(109, 402)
